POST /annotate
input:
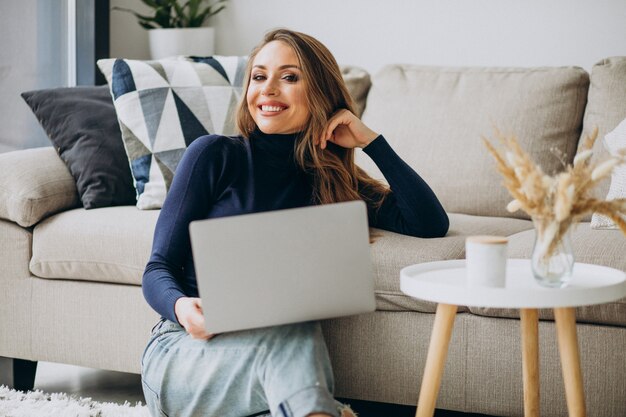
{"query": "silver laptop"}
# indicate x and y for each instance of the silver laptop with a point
(285, 266)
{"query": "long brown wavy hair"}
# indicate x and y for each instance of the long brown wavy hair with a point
(336, 177)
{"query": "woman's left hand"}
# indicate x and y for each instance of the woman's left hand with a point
(347, 130)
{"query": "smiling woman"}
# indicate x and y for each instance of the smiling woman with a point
(298, 134)
(276, 96)
(299, 82)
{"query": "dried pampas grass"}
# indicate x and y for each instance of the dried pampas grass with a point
(555, 203)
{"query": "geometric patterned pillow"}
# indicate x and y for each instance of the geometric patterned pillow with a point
(164, 105)
(613, 142)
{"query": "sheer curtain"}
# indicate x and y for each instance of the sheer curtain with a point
(43, 44)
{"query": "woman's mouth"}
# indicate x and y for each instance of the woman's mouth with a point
(271, 109)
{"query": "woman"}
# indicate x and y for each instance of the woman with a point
(296, 148)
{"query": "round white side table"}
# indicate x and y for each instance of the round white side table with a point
(444, 282)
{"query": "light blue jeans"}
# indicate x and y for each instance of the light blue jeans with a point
(284, 369)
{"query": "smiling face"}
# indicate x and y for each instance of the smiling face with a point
(276, 93)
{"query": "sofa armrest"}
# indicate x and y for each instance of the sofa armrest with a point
(34, 184)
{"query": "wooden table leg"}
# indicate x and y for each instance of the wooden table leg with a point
(530, 360)
(565, 319)
(436, 359)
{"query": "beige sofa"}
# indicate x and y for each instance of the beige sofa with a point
(70, 278)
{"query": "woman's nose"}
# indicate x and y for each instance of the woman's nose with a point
(269, 89)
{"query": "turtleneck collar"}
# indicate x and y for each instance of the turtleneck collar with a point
(280, 145)
(274, 151)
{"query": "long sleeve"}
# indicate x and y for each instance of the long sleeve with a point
(194, 188)
(411, 207)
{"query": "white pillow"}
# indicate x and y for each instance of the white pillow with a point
(613, 142)
(164, 105)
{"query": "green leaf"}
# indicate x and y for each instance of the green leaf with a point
(164, 16)
(179, 15)
(210, 11)
(193, 8)
(137, 15)
(151, 3)
(171, 13)
(219, 9)
(147, 25)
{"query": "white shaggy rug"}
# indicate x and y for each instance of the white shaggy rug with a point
(39, 404)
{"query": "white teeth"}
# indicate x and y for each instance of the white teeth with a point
(271, 108)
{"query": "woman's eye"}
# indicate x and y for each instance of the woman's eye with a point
(258, 77)
(290, 77)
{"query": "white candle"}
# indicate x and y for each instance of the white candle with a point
(486, 260)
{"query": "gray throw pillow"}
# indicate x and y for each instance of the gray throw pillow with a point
(82, 124)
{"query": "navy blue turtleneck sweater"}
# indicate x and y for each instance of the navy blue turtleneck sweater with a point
(222, 176)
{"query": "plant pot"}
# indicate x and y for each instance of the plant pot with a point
(181, 41)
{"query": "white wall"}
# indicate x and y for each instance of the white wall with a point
(372, 33)
(128, 39)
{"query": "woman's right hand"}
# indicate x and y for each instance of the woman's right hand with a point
(189, 314)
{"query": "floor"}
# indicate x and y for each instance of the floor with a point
(118, 387)
(104, 386)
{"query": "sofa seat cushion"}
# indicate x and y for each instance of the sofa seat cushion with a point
(113, 245)
(468, 225)
(107, 244)
(391, 252)
(435, 119)
(602, 247)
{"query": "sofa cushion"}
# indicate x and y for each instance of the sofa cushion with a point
(81, 123)
(613, 142)
(162, 106)
(602, 247)
(392, 252)
(358, 82)
(109, 244)
(113, 245)
(435, 117)
(468, 225)
(606, 107)
(35, 183)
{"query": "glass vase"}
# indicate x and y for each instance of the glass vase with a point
(552, 265)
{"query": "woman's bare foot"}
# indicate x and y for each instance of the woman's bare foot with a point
(346, 411)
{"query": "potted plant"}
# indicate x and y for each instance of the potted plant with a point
(176, 28)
